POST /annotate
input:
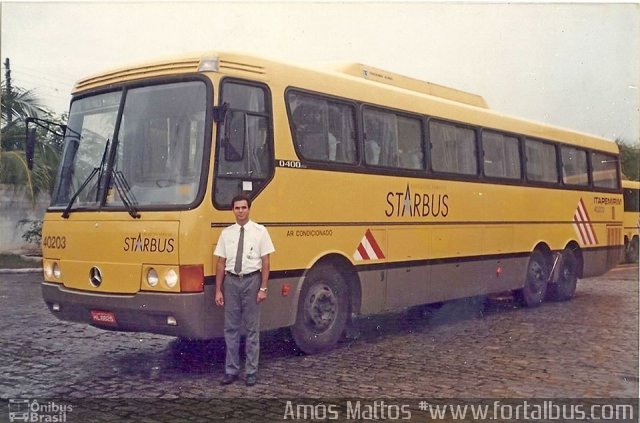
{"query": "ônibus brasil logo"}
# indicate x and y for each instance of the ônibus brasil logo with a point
(25, 410)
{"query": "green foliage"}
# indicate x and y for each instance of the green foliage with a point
(33, 233)
(17, 105)
(629, 160)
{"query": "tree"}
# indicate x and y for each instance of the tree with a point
(18, 104)
(629, 160)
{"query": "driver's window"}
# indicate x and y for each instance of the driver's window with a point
(244, 157)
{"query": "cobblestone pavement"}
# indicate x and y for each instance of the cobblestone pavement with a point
(584, 348)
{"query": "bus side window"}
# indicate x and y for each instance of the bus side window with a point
(342, 133)
(631, 200)
(311, 133)
(605, 170)
(410, 154)
(322, 129)
(250, 169)
(541, 161)
(501, 155)
(381, 138)
(575, 170)
(392, 140)
(453, 148)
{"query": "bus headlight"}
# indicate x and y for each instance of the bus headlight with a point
(56, 271)
(167, 278)
(152, 277)
(48, 270)
(171, 278)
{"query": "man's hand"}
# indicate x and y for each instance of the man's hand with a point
(261, 296)
(219, 298)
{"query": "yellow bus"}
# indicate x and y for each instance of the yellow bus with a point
(380, 192)
(631, 193)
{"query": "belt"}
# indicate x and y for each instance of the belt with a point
(246, 275)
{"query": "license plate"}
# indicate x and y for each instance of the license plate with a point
(103, 318)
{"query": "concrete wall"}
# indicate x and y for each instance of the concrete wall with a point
(14, 207)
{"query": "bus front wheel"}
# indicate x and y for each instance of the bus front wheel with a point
(565, 288)
(322, 310)
(535, 285)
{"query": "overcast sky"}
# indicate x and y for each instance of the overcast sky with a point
(575, 66)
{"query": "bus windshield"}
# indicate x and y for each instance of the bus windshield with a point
(157, 151)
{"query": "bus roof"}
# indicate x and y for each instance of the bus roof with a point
(390, 78)
(441, 101)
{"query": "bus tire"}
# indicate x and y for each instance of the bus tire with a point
(323, 310)
(565, 288)
(535, 286)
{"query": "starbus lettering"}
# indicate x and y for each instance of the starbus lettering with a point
(407, 203)
(148, 244)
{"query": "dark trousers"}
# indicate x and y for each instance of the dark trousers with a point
(241, 308)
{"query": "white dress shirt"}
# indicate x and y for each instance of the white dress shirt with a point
(257, 244)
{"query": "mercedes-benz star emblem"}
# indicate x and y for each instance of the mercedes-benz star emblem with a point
(95, 276)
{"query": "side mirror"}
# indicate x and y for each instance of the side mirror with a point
(220, 112)
(30, 146)
(235, 137)
(30, 135)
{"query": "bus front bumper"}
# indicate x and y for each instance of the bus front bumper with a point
(188, 315)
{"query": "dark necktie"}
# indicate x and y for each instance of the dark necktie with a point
(238, 266)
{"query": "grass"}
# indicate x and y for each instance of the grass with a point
(14, 261)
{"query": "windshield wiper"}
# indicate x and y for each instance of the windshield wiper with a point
(103, 163)
(100, 168)
(123, 188)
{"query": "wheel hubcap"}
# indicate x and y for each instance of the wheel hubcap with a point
(322, 307)
(537, 276)
(567, 273)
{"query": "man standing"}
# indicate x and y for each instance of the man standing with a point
(243, 267)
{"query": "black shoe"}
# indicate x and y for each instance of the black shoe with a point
(251, 379)
(228, 379)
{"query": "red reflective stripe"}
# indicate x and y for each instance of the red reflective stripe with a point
(584, 230)
(374, 245)
(363, 252)
(592, 230)
(584, 220)
(583, 236)
(593, 233)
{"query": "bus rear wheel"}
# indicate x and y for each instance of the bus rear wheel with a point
(535, 285)
(565, 288)
(322, 310)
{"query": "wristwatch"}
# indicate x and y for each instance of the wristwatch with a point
(264, 290)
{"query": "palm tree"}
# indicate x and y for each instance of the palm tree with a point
(18, 104)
